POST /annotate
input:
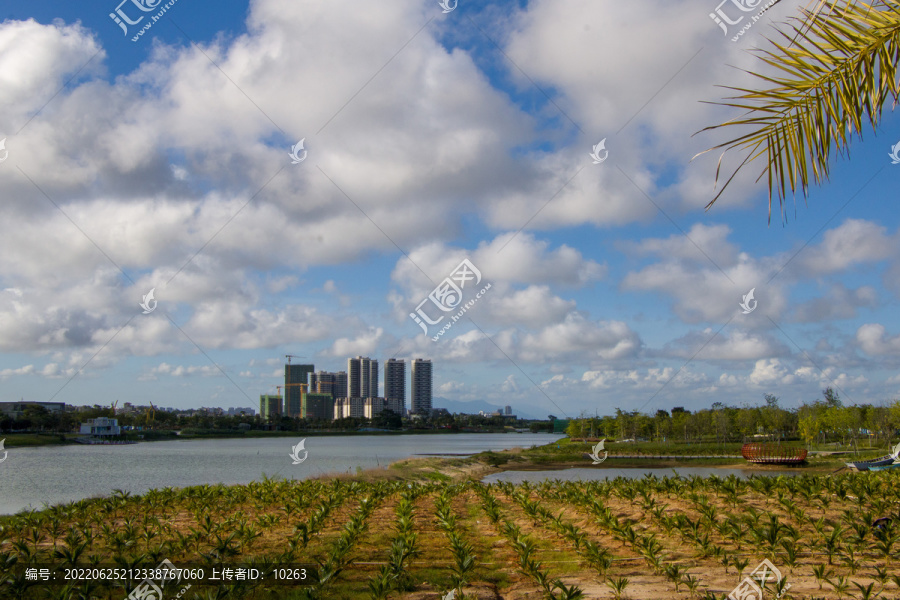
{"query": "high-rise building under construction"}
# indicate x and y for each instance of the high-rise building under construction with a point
(294, 377)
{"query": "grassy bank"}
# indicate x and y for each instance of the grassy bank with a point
(22, 440)
(567, 453)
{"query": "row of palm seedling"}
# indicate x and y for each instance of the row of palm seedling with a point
(464, 558)
(106, 522)
(395, 574)
(829, 522)
(646, 545)
(305, 530)
(339, 553)
(525, 548)
(598, 558)
(855, 540)
(113, 534)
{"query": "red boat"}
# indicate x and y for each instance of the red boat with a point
(773, 454)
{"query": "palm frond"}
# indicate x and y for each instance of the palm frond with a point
(833, 72)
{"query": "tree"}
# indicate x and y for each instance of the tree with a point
(680, 421)
(895, 415)
(748, 422)
(809, 426)
(834, 71)
(388, 419)
(663, 425)
(39, 416)
(881, 423)
(776, 420)
(832, 398)
(721, 421)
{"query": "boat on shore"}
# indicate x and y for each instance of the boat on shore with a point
(875, 464)
(895, 465)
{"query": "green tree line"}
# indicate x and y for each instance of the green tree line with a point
(818, 422)
(36, 418)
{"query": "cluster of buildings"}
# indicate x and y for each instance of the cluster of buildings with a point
(129, 409)
(16, 410)
(506, 413)
(327, 396)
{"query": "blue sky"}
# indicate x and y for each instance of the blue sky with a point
(432, 138)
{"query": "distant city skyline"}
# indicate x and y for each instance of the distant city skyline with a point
(325, 395)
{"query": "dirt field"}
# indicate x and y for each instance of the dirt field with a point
(673, 538)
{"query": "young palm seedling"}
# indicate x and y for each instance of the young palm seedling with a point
(675, 573)
(822, 573)
(866, 592)
(840, 585)
(566, 593)
(618, 586)
(693, 583)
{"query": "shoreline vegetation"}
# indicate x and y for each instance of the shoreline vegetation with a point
(569, 454)
(422, 526)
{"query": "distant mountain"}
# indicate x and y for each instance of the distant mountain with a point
(473, 407)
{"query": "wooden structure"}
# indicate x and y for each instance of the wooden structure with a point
(773, 454)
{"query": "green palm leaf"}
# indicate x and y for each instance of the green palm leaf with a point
(834, 70)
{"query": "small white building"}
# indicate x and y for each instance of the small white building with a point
(101, 426)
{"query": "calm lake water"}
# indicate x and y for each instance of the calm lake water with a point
(34, 477)
(598, 473)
